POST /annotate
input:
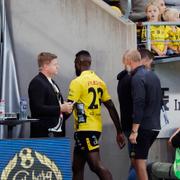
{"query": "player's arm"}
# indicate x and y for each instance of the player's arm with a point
(114, 115)
(174, 140)
(74, 92)
(115, 118)
(139, 97)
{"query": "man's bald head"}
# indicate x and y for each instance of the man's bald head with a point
(131, 59)
(133, 55)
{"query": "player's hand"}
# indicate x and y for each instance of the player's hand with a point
(120, 140)
(133, 138)
(66, 107)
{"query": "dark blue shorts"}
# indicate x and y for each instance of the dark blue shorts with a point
(144, 141)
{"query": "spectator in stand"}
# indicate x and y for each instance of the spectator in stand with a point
(172, 15)
(161, 5)
(115, 6)
(134, 9)
(117, 10)
(158, 33)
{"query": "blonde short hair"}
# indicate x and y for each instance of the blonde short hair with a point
(150, 3)
(45, 58)
(169, 12)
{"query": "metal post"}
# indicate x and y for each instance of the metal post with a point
(128, 10)
(148, 36)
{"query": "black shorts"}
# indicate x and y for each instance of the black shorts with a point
(86, 141)
(144, 141)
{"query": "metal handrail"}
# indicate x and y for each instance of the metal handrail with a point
(160, 23)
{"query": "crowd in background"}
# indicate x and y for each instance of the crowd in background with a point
(165, 39)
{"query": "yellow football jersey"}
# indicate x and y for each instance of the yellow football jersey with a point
(88, 91)
(158, 33)
(174, 36)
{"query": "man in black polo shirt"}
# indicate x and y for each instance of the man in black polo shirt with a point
(146, 98)
(125, 102)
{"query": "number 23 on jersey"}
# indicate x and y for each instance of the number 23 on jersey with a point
(96, 96)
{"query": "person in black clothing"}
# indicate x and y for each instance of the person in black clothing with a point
(146, 58)
(126, 110)
(46, 101)
(124, 89)
(146, 98)
(125, 98)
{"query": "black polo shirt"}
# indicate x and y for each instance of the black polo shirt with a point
(125, 99)
(146, 95)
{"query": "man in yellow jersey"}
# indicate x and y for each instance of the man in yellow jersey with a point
(88, 91)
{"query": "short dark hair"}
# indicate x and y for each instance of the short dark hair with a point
(83, 61)
(145, 53)
(83, 53)
(45, 58)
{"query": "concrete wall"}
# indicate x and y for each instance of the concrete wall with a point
(64, 27)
